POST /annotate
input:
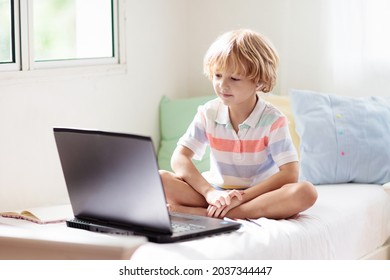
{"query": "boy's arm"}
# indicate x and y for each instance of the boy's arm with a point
(183, 167)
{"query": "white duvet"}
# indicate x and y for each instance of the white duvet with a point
(348, 221)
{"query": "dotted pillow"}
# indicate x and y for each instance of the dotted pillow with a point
(342, 139)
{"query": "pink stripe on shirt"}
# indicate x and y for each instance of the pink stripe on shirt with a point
(238, 146)
(280, 122)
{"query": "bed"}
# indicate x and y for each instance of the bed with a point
(342, 147)
(349, 221)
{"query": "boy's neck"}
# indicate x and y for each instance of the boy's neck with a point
(239, 113)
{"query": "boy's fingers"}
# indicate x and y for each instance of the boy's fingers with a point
(227, 200)
(210, 210)
(218, 212)
(215, 212)
(224, 212)
(236, 193)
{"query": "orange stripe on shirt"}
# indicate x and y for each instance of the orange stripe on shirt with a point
(238, 146)
(280, 122)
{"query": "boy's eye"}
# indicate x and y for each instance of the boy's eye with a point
(233, 78)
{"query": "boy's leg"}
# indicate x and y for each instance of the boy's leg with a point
(178, 192)
(282, 203)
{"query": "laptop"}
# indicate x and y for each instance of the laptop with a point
(114, 187)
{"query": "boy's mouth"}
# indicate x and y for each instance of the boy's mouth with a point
(226, 95)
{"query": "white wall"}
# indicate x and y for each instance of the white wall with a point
(209, 19)
(321, 43)
(294, 27)
(127, 101)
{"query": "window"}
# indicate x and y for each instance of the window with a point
(7, 35)
(6, 43)
(58, 33)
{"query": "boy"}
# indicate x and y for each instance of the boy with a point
(254, 165)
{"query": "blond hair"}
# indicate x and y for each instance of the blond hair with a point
(246, 51)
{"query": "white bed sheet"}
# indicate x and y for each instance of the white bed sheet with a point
(348, 221)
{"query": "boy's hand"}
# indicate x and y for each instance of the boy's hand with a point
(215, 212)
(221, 200)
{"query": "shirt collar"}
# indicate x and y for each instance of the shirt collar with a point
(255, 116)
(223, 114)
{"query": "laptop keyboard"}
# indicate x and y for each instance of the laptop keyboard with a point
(177, 227)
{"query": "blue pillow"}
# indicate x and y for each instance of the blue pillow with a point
(342, 139)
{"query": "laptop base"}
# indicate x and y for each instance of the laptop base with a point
(152, 236)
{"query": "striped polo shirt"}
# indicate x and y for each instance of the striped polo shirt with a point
(243, 159)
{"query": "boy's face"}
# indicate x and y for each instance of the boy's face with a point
(234, 89)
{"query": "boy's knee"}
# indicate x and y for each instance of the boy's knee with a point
(307, 192)
(166, 175)
(163, 173)
(168, 179)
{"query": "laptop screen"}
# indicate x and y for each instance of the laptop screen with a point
(113, 177)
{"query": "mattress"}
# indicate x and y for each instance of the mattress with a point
(348, 221)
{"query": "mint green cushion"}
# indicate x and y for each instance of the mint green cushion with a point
(175, 117)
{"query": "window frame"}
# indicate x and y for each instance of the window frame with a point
(25, 65)
(15, 33)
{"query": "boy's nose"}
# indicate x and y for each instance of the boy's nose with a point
(224, 83)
